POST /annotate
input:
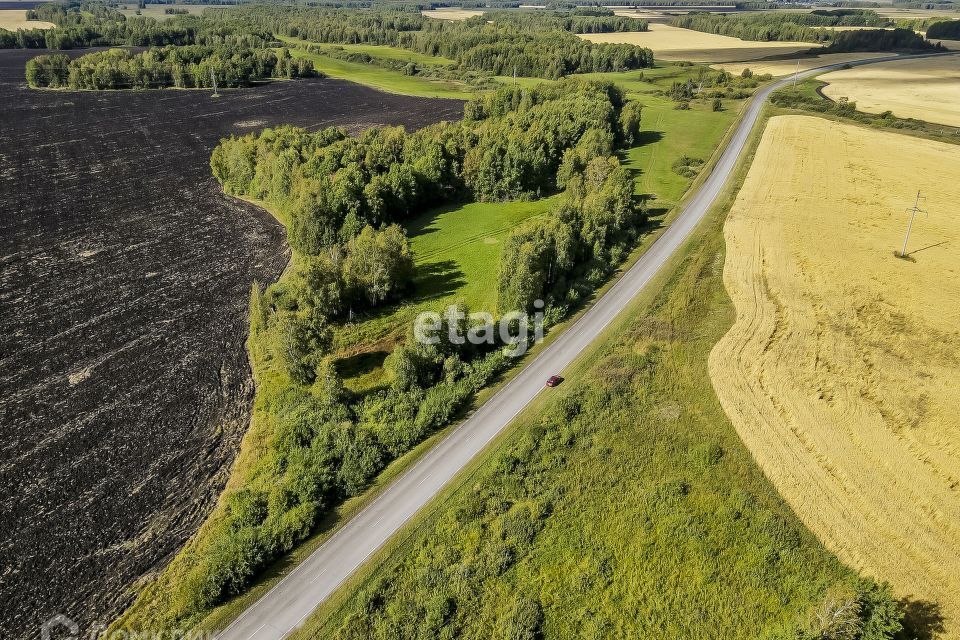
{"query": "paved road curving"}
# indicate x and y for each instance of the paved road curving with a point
(287, 605)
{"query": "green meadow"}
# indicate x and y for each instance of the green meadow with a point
(381, 78)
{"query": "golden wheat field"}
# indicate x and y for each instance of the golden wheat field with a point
(674, 43)
(925, 89)
(789, 65)
(13, 19)
(451, 13)
(841, 372)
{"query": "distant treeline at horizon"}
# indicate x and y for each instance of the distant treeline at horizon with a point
(536, 44)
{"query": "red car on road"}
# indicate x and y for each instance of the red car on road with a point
(553, 381)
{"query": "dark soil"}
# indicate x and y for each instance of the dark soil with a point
(124, 279)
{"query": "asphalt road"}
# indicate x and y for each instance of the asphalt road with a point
(284, 608)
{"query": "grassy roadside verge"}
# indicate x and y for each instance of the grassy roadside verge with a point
(647, 513)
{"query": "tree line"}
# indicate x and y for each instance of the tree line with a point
(575, 21)
(343, 198)
(96, 24)
(881, 40)
(947, 29)
(765, 27)
(526, 43)
(519, 46)
(189, 66)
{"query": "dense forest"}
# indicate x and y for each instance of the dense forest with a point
(576, 21)
(505, 47)
(183, 67)
(803, 27)
(344, 199)
(948, 29)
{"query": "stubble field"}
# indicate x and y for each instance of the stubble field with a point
(13, 19)
(451, 13)
(124, 281)
(841, 371)
(674, 43)
(925, 88)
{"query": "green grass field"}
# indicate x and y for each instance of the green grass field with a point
(461, 245)
(673, 134)
(381, 78)
(457, 253)
(622, 504)
(378, 51)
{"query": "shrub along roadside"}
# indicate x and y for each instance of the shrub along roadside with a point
(315, 443)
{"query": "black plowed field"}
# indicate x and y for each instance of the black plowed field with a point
(124, 278)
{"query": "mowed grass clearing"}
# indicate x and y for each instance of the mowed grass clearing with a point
(457, 257)
(13, 19)
(462, 244)
(379, 77)
(376, 51)
(841, 373)
(923, 88)
(673, 44)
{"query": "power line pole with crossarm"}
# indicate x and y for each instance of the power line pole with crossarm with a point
(913, 211)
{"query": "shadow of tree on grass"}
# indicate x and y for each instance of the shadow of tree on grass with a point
(437, 279)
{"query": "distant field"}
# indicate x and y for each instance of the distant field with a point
(157, 10)
(788, 66)
(855, 28)
(674, 43)
(896, 13)
(925, 89)
(842, 373)
(450, 13)
(13, 19)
